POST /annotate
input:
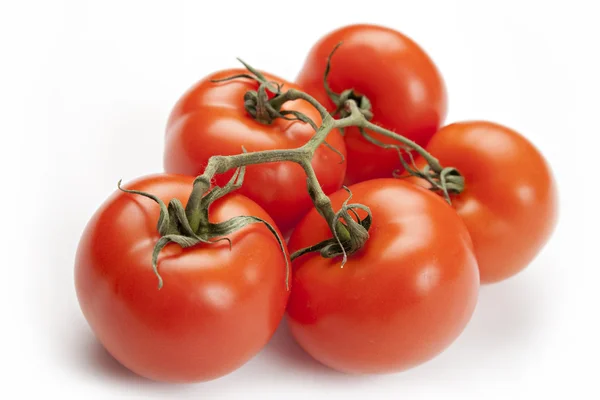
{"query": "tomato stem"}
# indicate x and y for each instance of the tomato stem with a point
(349, 233)
(445, 180)
(302, 156)
(190, 226)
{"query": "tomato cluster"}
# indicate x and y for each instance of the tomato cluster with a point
(396, 302)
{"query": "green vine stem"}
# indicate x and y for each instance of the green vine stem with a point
(443, 179)
(190, 226)
(349, 234)
(302, 156)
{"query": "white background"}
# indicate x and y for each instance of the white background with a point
(85, 91)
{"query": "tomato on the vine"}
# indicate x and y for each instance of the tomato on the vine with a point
(397, 302)
(218, 306)
(210, 119)
(509, 203)
(405, 88)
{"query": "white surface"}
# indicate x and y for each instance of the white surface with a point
(85, 91)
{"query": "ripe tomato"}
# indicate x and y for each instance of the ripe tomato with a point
(210, 119)
(400, 300)
(405, 88)
(218, 307)
(510, 200)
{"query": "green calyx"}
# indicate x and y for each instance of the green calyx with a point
(174, 222)
(266, 110)
(259, 104)
(350, 233)
(341, 99)
(256, 102)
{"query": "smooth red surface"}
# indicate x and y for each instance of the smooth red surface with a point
(510, 200)
(217, 308)
(398, 302)
(210, 119)
(406, 90)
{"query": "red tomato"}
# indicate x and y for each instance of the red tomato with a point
(404, 86)
(218, 307)
(400, 300)
(510, 199)
(210, 119)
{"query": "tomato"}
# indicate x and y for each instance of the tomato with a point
(510, 199)
(404, 86)
(210, 119)
(218, 307)
(401, 299)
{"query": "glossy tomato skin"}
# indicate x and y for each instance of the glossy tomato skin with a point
(510, 199)
(217, 308)
(210, 119)
(398, 302)
(407, 92)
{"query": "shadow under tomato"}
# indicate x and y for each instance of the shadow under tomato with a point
(287, 355)
(95, 361)
(284, 351)
(104, 363)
